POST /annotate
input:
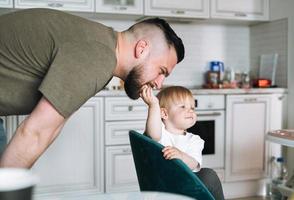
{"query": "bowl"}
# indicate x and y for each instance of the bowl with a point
(16, 184)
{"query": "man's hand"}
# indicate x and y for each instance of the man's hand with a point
(148, 96)
(172, 153)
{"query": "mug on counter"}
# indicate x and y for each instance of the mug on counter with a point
(17, 184)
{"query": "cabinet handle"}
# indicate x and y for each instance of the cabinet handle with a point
(281, 98)
(209, 114)
(55, 5)
(127, 150)
(240, 14)
(130, 108)
(180, 12)
(120, 8)
(250, 100)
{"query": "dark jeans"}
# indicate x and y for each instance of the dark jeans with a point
(3, 138)
(212, 182)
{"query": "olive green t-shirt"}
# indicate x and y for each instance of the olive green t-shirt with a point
(65, 58)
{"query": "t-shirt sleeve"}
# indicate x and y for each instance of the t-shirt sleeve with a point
(195, 148)
(72, 77)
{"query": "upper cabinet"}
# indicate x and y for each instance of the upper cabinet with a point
(249, 10)
(68, 5)
(240, 9)
(220, 9)
(175, 8)
(133, 7)
(6, 4)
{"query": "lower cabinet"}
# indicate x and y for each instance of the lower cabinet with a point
(74, 161)
(249, 118)
(120, 169)
(121, 116)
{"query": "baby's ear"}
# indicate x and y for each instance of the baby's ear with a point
(163, 113)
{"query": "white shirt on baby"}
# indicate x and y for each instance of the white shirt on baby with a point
(189, 143)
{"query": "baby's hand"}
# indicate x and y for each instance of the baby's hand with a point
(148, 96)
(171, 153)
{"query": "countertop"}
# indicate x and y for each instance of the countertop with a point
(197, 91)
(121, 196)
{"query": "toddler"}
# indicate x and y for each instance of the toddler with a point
(170, 114)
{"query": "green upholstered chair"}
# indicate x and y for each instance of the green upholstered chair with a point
(157, 174)
(3, 138)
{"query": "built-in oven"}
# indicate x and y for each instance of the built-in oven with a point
(210, 126)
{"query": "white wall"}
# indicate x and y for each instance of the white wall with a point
(284, 9)
(269, 38)
(203, 42)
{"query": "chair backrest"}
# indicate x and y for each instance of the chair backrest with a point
(155, 173)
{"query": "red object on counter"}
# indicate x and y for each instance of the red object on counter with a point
(262, 83)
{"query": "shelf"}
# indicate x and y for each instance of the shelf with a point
(285, 191)
(283, 137)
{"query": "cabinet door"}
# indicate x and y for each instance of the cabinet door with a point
(122, 108)
(68, 5)
(247, 122)
(117, 132)
(6, 4)
(176, 8)
(74, 161)
(120, 170)
(120, 6)
(240, 9)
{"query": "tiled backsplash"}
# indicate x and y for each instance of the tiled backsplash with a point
(235, 45)
(269, 38)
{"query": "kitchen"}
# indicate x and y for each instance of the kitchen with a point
(207, 36)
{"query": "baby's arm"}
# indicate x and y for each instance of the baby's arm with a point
(173, 152)
(153, 123)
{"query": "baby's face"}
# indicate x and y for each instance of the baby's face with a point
(182, 114)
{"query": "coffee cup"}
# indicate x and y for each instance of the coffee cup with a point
(17, 184)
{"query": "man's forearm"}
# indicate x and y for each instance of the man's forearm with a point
(26, 147)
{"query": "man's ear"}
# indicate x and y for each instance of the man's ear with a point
(163, 113)
(141, 48)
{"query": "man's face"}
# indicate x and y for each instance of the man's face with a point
(152, 72)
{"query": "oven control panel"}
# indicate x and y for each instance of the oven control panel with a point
(209, 102)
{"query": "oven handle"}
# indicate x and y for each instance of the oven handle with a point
(209, 114)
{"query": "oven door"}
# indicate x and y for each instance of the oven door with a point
(210, 127)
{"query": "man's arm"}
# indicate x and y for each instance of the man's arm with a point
(153, 123)
(33, 136)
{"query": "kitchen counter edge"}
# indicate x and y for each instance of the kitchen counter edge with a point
(208, 91)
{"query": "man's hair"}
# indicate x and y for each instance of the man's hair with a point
(169, 34)
(173, 94)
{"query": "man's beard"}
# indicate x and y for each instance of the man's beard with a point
(133, 83)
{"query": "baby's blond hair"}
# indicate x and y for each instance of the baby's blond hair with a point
(173, 94)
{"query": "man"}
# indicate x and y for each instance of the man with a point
(52, 62)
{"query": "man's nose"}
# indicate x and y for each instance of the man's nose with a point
(159, 80)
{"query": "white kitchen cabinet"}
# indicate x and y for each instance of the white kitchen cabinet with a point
(74, 161)
(249, 118)
(121, 115)
(123, 108)
(240, 9)
(117, 132)
(132, 7)
(66, 5)
(179, 9)
(6, 3)
(120, 169)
